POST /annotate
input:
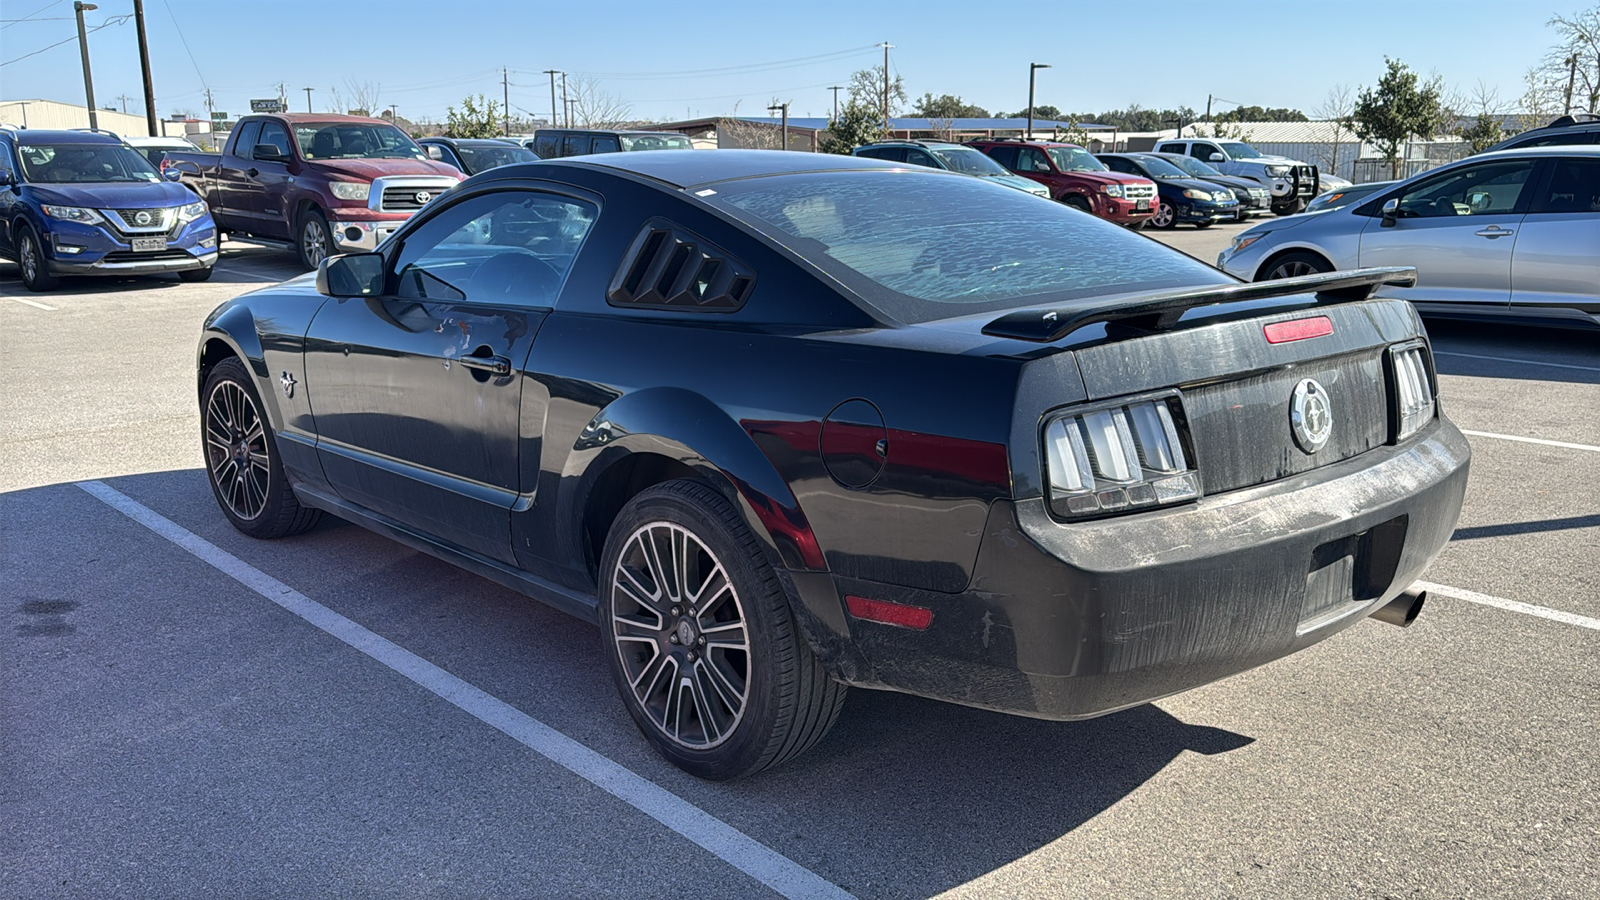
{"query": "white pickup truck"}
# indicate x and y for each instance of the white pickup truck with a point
(1292, 183)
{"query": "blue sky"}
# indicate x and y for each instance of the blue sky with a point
(672, 59)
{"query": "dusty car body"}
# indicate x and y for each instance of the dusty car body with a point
(782, 423)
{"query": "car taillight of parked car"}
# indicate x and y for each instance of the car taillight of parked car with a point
(1411, 389)
(1118, 459)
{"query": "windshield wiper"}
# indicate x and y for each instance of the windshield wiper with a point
(1160, 310)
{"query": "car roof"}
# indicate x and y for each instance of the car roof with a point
(296, 118)
(1549, 150)
(465, 142)
(684, 168)
(41, 136)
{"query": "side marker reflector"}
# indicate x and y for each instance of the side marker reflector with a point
(901, 615)
(1298, 329)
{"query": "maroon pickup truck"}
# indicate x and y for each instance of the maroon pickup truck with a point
(319, 183)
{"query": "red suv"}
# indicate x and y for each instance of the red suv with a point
(1077, 179)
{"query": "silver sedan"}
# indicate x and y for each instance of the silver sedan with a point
(1510, 233)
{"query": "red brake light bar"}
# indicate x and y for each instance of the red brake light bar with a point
(1298, 329)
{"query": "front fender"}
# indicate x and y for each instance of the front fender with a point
(690, 429)
(232, 324)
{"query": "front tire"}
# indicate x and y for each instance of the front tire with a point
(315, 242)
(196, 275)
(1292, 207)
(242, 461)
(1293, 265)
(1165, 217)
(1077, 203)
(1202, 225)
(701, 639)
(36, 275)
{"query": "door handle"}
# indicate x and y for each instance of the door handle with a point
(497, 365)
(1494, 231)
(252, 171)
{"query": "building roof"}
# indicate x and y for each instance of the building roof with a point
(899, 123)
(1320, 132)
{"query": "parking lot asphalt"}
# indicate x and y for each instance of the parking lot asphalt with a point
(187, 712)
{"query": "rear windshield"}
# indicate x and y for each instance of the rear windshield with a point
(656, 142)
(84, 163)
(483, 156)
(924, 246)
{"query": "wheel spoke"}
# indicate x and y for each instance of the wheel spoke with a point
(710, 727)
(629, 628)
(658, 571)
(731, 694)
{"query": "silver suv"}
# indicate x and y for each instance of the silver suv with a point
(1511, 233)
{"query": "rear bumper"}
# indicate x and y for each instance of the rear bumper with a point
(1073, 621)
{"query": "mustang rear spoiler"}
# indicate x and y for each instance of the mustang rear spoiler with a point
(1161, 310)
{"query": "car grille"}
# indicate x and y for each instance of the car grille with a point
(1138, 191)
(405, 199)
(128, 256)
(1308, 179)
(125, 221)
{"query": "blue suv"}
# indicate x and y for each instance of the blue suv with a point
(85, 203)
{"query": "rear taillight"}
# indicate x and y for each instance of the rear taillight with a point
(1118, 459)
(1411, 389)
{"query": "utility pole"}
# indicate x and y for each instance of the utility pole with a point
(78, 8)
(1208, 107)
(308, 98)
(123, 99)
(568, 102)
(835, 90)
(886, 48)
(785, 108)
(1572, 74)
(208, 105)
(555, 119)
(505, 85)
(144, 69)
(1032, 68)
(394, 114)
(566, 105)
(283, 96)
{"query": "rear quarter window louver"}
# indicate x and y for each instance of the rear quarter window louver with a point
(669, 267)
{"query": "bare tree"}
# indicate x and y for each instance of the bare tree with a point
(943, 129)
(1575, 59)
(1542, 98)
(1336, 109)
(356, 96)
(594, 108)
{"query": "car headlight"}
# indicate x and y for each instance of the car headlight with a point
(73, 214)
(1223, 195)
(1111, 190)
(1193, 194)
(1244, 239)
(1277, 171)
(1118, 459)
(350, 190)
(189, 212)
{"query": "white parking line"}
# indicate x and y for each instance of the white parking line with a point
(1528, 440)
(1512, 359)
(733, 846)
(33, 303)
(1516, 606)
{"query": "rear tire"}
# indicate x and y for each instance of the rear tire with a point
(701, 638)
(1293, 265)
(36, 275)
(242, 461)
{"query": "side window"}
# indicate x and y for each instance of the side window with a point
(891, 154)
(1489, 189)
(1005, 156)
(921, 158)
(547, 146)
(1031, 159)
(605, 143)
(274, 133)
(249, 136)
(575, 145)
(1203, 151)
(449, 156)
(1574, 187)
(506, 247)
(1118, 164)
(1172, 148)
(5, 158)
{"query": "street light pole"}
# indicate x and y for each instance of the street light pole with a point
(785, 108)
(1032, 68)
(78, 8)
(836, 88)
(555, 117)
(566, 105)
(144, 70)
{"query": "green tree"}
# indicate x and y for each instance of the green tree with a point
(1040, 111)
(947, 106)
(480, 118)
(1397, 108)
(1482, 132)
(858, 123)
(866, 86)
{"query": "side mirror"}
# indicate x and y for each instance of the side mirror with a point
(434, 152)
(1217, 157)
(268, 152)
(351, 275)
(1391, 211)
(171, 173)
(6, 179)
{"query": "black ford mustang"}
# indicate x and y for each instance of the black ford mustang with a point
(781, 423)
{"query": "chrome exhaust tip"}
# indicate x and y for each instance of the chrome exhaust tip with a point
(1402, 610)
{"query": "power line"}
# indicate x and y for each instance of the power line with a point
(747, 69)
(185, 41)
(40, 10)
(114, 20)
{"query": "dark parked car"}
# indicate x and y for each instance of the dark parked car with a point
(1254, 199)
(1184, 198)
(785, 422)
(472, 156)
(1355, 193)
(558, 143)
(85, 203)
(953, 157)
(1577, 128)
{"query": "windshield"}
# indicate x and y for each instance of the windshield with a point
(1160, 168)
(1237, 150)
(484, 157)
(84, 163)
(968, 161)
(354, 140)
(920, 247)
(1074, 159)
(1191, 165)
(656, 142)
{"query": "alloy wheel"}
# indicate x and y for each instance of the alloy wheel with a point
(1293, 268)
(1163, 217)
(29, 258)
(314, 239)
(236, 450)
(680, 632)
